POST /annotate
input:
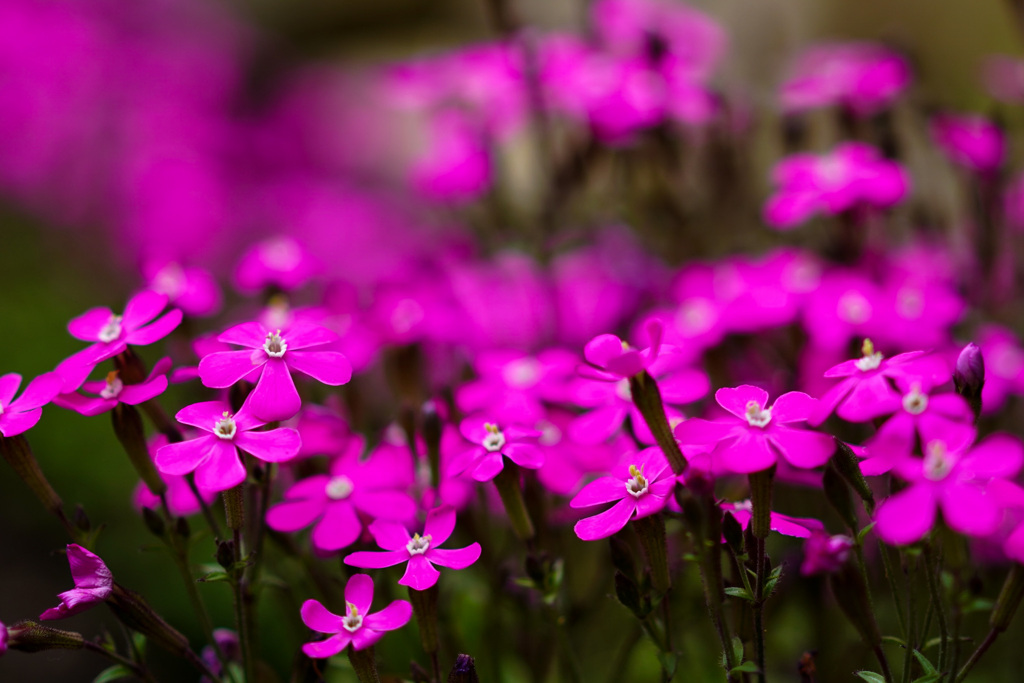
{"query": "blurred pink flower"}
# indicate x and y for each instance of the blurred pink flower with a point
(193, 290)
(798, 527)
(862, 77)
(181, 501)
(825, 554)
(971, 141)
(281, 262)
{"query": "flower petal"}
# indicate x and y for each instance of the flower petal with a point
(322, 649)
(223, 469)
(967, 509)
(420, 574)
(376, 560)
(603, 490)
(735, 399)
(598, 425)
(157, 330)
(222, 369)
(142, 308)
(275, 397)
(525, 455)
(907, 516)
(203, 415)
(88, 325)
(252, 335)
(339, 527)
(185, 456)
(328, 367)
(793, 406)
(319, 618)
(38, 393)
(455, 558)
(302, 334)
(389, 535)
(12, 424)
(607, 523)
(292, 515)
(359, 591)
(744, 454)
(440, 524)
(385, 504)
(88, 570)
(394, 616)
(275, 445)
(802, 448)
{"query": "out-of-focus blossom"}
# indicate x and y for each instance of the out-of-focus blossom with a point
(214, 456)
(825, 554)
(456, 165)
(492, 443)
(181, 500)
(20, 414)
(639, 486)
(374, 487)
(194, 290)
(853, 174)
(954, 480)
(916, 310)
(798, 527)
(357, 627)
(420, 552)
(279, 353)
(756, 434)
(281, 262)
(513, 385)
(971, 141)
(845, 305)
(1004, 77)
(93, 584)
(861, 77)
(112, 333)
(611, 359)
(106, 394)
(1004, 367)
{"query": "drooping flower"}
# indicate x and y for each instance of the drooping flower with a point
(112, 333)
(492, 443)
(111, 391)
(825, 554)
(374, 487)
(357, 627)
(21, 414)
(277, 353)
(610, 359)
(954, 481)
(639, 486)
(421, 552)
(753, 438)
(214, 456)
(93, 584)
(798, 527)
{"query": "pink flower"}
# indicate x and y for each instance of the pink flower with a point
(374, 487)
(493, 443)
(180, 499)
(797, 527)
(956, 481)
(108, 393)
(853, 174)
(21, 414)
(825, 554)
(1004, 367)
(756, 435)
(868, 383)
(280, 262)
(639, 486)
(193, 290)
(357, 627)
(971, 141)
(421, 552)
(93, 583)
(862, 77)
(457, 166)
(214, 457)
(4, 637)
(113, 333)
(611, 359)
(513, 385)
(277, 353)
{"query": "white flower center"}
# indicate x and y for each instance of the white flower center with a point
(275, 345)
(114, 386)
(522, 373)
(915, 402)
(339, 488)
(418, 544)
(871, 359)
(353, 620)
(695, 316)
(169, 280)
(758, 416)
(623, 391)
(282, 254)
(406, 315)
(549, 433)
(112, 330)
(225, 427)
(854, 308)
(494, 441)
(909, 303)
(743, 505)
(636, 485)
(937, 463)
(1, 408)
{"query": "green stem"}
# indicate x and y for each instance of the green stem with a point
(424, 606)
(647, 399)
(894, 588)
(1002, 614)
(908, 656)
(933, 566)
(760, 527)
(364, 663)
(507, 483)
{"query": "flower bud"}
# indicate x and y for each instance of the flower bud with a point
(30, 636)
(732, 530)
(846, 463)
(824, 554)
(464, 671)
(969, 376)
(647, 399)
(154, 522)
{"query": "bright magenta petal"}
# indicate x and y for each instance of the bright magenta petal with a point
(735, 400)
(394, 616)
(143, 307)
(323, 649)
(419, 574)
(389, 535)
(275, 445)
(359, 591)
(440, 524)
(222, 369)
(374, 560)
(275, 397)
(607, 523)
(907, 516)
(156, 331)
(223, 469)
(329, 367)
(319, 618)
(185, 456)
(339, 527)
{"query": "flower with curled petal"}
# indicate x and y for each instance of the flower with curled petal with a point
(357, 627)
(93, 584)
(493, 443)
(214, 456)
(420, 552)
(755, 435)
(20, 414)
(106, 394)
(111, 333)
(276, 353)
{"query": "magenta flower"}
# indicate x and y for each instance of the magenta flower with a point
(756, 435)
(971, 141)
(609, 358)
(853, 174)
(798, 527)
(825, 554)
(21, 414)
(280, 262)
(193, 290)
(956, 482)
(4, 637)
(277, 354)
(214, 457)
(357, 627)
(374, 487)
(867, 383)
(111, 391)
(421, 552)
(494, 443)
(181, 501)
(639, 486)
(93, 583)
(112, 333)
(457, 165)
(1004, 367)
(513, 385)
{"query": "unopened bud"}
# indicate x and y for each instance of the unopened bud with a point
(838, 494)
(622, 556)
(154, 522)
(464, 671)
(969, 376)
(226, 554)
(848, 466)
(732, 530)
(824, 554)
(628, 594)
(30, 636)
(81, 520)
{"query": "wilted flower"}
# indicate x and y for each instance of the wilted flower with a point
(824, 554)
(93, 583)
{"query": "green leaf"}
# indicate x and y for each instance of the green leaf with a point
(775, 573)
(978, 605)
(862, 534)
(669, 662)
(214, 577)
(871, 676)
(925, 664)
(928, 678)
(747, 667)
(898, 641)
(738, 592)
(737, 649)
(114, 673)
